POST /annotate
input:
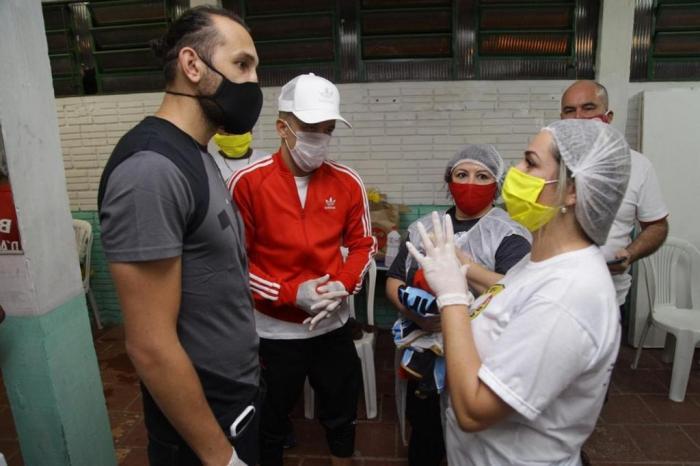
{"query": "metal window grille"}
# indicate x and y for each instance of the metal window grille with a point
(666, 41)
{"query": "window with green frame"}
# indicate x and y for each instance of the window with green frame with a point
(291, 35)
(107, 43)
(666, 41)
(388, 40)
(542, 39)
(60, 38)
(102, 46)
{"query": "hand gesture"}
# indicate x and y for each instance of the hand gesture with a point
(327, 311)
(312, 299)
(443, 270)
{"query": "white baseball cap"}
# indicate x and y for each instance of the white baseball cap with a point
(312, 99)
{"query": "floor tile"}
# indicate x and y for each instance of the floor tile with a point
(121, 452)
(693, 431)
(638, 425)
(113, 334)
(135, 457)
(386, 461)
(323, 461)
(137, 436)
(122, 424)
(385, 382)
(639, 381)
(117, 368)
(650, 359)
(612, 443)
(693, 387)
(388, 408)
(7, 424)
(637, 463)
(378, 439)
(15, 460)
(9, 448)
(623, 409)
(311, 438)
(668, 411)
(664, 443)
(120, 397)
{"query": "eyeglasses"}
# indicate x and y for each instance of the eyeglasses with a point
(241, 422)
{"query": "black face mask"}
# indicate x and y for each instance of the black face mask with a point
(233, 107)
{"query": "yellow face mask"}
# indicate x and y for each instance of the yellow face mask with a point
(233, 146)
(520, 193)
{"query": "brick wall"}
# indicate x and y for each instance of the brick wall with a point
(402, 133)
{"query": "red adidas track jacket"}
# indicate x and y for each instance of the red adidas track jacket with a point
(288, 245)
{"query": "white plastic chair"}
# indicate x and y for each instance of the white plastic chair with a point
(662, 273)
(365, 350)
(83, 238)
(400, 390)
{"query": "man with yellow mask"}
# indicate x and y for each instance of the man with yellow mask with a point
(233, 152)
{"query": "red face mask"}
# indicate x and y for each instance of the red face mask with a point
(604, 117)
(472, 198)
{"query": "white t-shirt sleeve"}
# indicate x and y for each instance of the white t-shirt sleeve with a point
(541, 351)
(651, 205)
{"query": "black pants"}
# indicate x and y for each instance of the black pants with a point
(426, 447)
(167, 448)
(331, 363)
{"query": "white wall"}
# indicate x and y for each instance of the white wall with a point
(672, 143)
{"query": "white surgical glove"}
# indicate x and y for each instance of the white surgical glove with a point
(442, 269)
(331, 306)
(332, 286)
(311, 301)
(235, 460)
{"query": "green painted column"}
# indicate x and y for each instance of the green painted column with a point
(53, 384)
(46, 351)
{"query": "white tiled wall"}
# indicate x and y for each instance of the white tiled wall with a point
(402, 135)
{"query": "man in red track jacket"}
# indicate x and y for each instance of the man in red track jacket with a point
(299, 209)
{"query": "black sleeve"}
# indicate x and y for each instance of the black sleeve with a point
(398, 267)
(510, 251)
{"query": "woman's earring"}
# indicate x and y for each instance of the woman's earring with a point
(563, 210)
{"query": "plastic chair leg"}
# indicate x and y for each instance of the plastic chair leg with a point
(682, 361)
(400, 390)
(95, 309)
(643, 338)
(308, 400)
(669, 348)
(369, 382)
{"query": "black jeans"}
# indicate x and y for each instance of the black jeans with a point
(167, 448)
(426, 447)
(331, 363)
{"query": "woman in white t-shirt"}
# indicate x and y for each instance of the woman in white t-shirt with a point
(529, 362)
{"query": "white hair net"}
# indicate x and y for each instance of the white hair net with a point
(599, 160)
(482, 154)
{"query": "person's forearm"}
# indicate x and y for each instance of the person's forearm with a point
(649, 240)
(392, 292)
(476, 407)
(461, 358)
(172, 381)
(480, 278)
